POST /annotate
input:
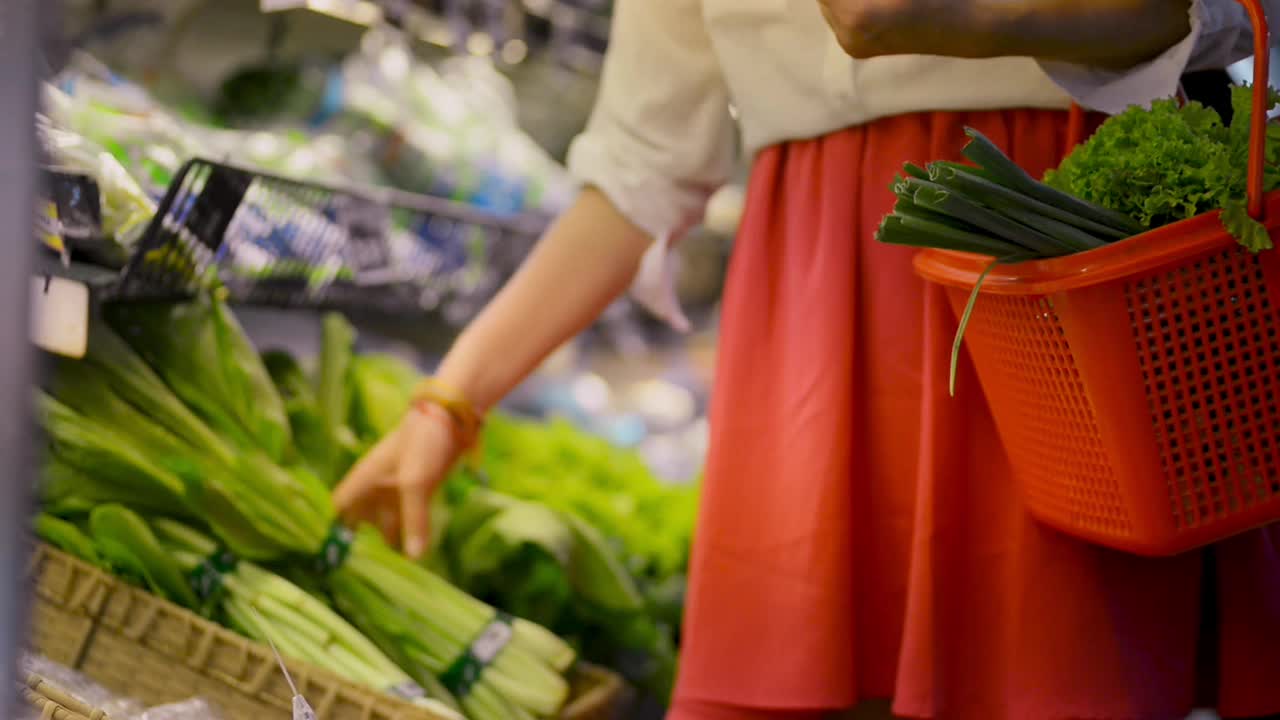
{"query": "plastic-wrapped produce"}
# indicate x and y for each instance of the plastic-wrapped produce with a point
(126, 208)
(94, 695)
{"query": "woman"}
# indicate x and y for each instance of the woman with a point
(859, 536)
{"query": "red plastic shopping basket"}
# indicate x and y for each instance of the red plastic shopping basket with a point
(1136, 388)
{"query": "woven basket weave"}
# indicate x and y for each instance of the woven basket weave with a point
(54, 703)
(142, 647)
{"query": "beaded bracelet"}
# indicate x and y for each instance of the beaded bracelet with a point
(431, 391)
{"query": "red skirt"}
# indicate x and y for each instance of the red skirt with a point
(860, 535)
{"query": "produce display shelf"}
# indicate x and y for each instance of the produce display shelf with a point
(136, 644)
(270, 241)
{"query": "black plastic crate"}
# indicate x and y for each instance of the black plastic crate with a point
(268, 240)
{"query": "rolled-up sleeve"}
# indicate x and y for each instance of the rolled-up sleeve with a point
(660, 139)
(1220, 35)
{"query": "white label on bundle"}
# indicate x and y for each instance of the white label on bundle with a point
(60, 315)
(277, 5)
(491, 641)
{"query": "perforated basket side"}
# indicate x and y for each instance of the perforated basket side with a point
(1207, 336)
(1044, 414)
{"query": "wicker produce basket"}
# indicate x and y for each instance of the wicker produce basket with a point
(146, 648)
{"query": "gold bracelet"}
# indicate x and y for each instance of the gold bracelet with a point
(431, 391)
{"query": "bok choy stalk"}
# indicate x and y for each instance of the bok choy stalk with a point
(118, 423)
(132, 549)
(310, 437)
(67, 537)
(204, 356)
(333, 395)
(121, 470)
(265, 606)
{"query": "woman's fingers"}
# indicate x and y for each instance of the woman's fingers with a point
(426, 452)
(391, 486)
(388, 517)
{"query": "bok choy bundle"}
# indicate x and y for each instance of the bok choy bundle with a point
(177, 416)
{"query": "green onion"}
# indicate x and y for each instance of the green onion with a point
(1003, 170)
(919, 232)
(950, 203)
(1003, 199)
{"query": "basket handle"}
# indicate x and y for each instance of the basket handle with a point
(1261, 104)
(1258, 115)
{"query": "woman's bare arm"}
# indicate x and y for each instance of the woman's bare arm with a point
(586, 260)
(1101, 33)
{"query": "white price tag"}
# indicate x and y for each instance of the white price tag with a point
(491, 641)
(278, 5)
(60, 315)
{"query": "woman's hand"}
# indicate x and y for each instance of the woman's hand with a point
(1103, 33)
(392, 485)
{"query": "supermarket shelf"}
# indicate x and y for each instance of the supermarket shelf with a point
(263, 240)
(274, 241)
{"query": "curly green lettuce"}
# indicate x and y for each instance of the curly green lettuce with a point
(1171, 163)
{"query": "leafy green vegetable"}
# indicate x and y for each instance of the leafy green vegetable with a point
(128, 543)
(204, 356)
(310, 436)
(110, 439)
(573, 471)
(333, 395)
(1251, 234)
(382, 385)
(107, 453)
(133, 380)
(265, 606)
(67, 537)
(516, 555)
(418, 618)
(1171, 163)
(619, 596)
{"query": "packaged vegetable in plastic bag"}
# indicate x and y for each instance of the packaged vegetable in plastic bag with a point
(126, 208)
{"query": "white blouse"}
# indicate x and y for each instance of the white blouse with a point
(662, 136)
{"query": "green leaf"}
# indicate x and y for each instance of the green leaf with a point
(1248, 232)
(68, 538)
(206, 359)
(126, 541)
(333, 395)
(964, 325)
